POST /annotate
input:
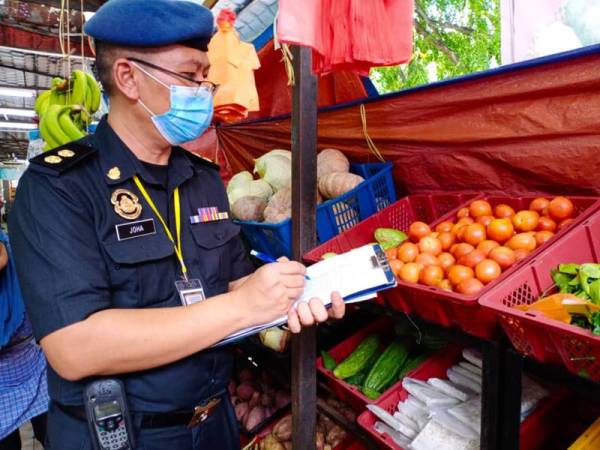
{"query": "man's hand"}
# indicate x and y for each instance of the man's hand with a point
(307, 314)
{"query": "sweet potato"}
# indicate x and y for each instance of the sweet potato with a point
(245, 391)
(241, 411)
(255, 417)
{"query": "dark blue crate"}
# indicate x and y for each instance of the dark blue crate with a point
(333, 216)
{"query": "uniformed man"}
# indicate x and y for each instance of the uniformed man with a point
(114, 232)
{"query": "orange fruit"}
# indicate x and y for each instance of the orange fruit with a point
(480, 208)
(427, 259)
(430, 245)
(503, 211)
(465, 221)
(445, 285)
(504, 256)
(484, 220)
(521, 253)
(418, 230)
(546, 224)
(565, 223)
(410, 272)
(431, 275)
(444, 227)
(391, 253)
(446, 260)
(560, 208)
(396, 266)
(539, 204)
(526, 220)
(462, 212)
(472, 259)
(407, 252)
(459, 273)
(522, 241)
(462, 250)
(487, 271)
(447, 239)
(541, 237)
(500, 230)
(471, 286)
(474, 234)
(487, 246)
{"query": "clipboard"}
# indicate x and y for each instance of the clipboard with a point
(357, 275)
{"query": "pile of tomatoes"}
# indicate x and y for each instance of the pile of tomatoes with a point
(466, 254)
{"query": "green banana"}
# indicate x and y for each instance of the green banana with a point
(41, 103)
(53, 126)
(46, 135)
(93, 93)
(79, 87)
(57, 98)
(67, 126)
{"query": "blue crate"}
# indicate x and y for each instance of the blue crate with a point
(333, 216)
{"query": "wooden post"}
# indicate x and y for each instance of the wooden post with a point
(304, 203)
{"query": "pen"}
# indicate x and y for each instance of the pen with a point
(268, 259)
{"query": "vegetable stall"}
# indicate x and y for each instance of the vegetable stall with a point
(492, 232)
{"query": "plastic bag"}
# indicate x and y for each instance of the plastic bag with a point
(469, 413)
(396, 436)
(473, 356)
(435, 437)
(433, 398)
(449, 389)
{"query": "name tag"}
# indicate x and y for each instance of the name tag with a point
(135, 229)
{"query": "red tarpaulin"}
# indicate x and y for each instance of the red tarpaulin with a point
(533, 127)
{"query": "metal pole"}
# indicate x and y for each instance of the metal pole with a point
(304, 202)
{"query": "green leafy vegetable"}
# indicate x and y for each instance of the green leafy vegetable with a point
(561, 280)
(595, 292)
(570, 269)
(595, 322)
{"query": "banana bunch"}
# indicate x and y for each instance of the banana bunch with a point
(65, 110)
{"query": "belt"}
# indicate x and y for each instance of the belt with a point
(190, 418)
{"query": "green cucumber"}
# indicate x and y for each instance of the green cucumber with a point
(358, 358)
(359, 378)
(371, 393)
(328, 361)
(386, 368)
(411, 364)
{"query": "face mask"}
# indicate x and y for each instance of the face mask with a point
(189, 116)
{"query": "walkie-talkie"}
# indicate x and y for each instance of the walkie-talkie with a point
(108, 416)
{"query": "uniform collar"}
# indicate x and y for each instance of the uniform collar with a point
(120, 164)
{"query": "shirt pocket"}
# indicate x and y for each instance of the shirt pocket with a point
(214, 241)
(142, 271)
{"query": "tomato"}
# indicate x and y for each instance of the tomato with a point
(407, 252)
(391, 253)
(453, 249)
(447, 239)
(458, 273)
(444, 227)
(487, 246)
(472, 286)
(503, 211)
(462, 250)
(462, 212)
(472, 259)
(539, 204)
(521, 253)
(541, 237)
(565, 223)
(480, 208)
(560, 208)
(434, 234)
(410, 272)
(522, 241)
(504, 256)
(430, 245)
(396, 266)
(460, 235)
(427, 260)
(475, 234)
(487, 271)
(526, 220)
(500, 230)
(431, 275)
(484, 220)
(446, 260)
(465, 221)
(418, 230)
(546, 224)
(445, 285)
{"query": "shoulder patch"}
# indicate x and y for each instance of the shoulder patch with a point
(196, 158)
(59, 160)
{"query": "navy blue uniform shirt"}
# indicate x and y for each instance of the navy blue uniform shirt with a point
(71, 263)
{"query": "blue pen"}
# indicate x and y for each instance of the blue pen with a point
(266, 258)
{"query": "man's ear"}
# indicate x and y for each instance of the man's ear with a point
(124, 78)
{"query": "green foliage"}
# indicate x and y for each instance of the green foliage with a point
(451, 38)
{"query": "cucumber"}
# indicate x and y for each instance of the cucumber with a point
(328, 361)
(410, 364)
(358, 358)
(359, 378)
(386, 368)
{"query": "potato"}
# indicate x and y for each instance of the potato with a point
(330, 160)
(249, 208)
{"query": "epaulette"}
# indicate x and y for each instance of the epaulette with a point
(60, 159)
(195, 157)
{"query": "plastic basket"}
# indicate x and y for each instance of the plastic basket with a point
(533, 429)
(453, 309)
(400, 215)
(533, 334)
(333, 216)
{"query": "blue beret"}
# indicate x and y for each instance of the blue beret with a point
(152, 23)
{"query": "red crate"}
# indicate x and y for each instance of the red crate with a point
(533, 334)
(533, 429)
(453, 309)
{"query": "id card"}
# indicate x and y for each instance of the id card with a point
(190, 291)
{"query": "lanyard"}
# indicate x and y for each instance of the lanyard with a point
(177, 205)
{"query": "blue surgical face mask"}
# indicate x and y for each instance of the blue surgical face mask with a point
(190, 114)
